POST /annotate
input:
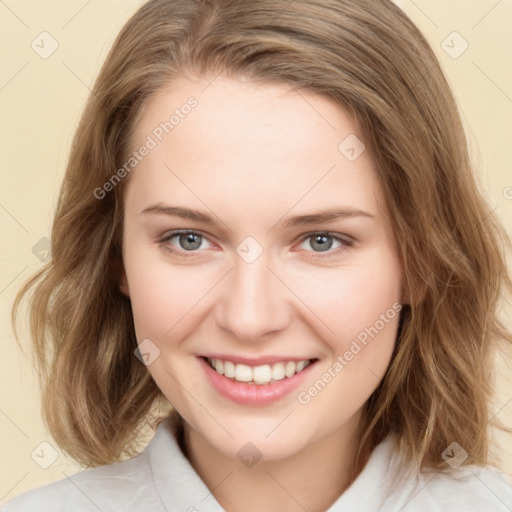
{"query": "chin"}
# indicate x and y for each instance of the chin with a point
(264, 439)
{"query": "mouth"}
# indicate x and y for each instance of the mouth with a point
(260, 385)
(264, 374)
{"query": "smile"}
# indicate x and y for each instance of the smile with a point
(258, 375)
(259, 385)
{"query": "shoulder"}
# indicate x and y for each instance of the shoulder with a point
(467, 489)
(120, 486)
(464, 489)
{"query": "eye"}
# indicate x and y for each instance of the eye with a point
(186, 242)
(323, 243)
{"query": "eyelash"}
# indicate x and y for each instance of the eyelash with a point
(345, 241)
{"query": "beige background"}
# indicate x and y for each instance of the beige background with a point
(40, 102)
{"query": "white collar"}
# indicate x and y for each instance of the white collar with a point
(181, 488)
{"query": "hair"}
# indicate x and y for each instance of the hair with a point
(372, 61)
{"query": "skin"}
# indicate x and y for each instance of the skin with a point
(253, 156)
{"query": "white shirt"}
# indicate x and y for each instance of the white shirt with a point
(161, 479)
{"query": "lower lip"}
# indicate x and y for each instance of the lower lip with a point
(254, 394)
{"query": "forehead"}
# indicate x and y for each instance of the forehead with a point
(255, 146)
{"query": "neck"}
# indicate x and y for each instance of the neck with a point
(312, 479)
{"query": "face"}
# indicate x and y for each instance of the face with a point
(256, 234)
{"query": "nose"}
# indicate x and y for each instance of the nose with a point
(254, 302)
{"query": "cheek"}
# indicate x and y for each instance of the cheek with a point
(344, 301)
(162, 294)
(350, 299)
(362, 307)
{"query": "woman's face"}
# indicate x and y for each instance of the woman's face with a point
(289, 257)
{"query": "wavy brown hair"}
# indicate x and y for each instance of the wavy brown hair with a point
(369, 58)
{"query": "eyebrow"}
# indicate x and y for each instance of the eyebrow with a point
(298, 220)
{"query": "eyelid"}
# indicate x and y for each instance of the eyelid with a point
(339, 236)
(345, 240)
(171, 234)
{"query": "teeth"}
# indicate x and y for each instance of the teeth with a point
(229, 369)
(243, 373)
(263, 374)
(301, 365)
(278, 371)
(219, 366)
(290, 368)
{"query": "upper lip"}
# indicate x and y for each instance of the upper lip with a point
(258, 361)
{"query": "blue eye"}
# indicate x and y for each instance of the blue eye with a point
(189, 242)
(323, 242)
